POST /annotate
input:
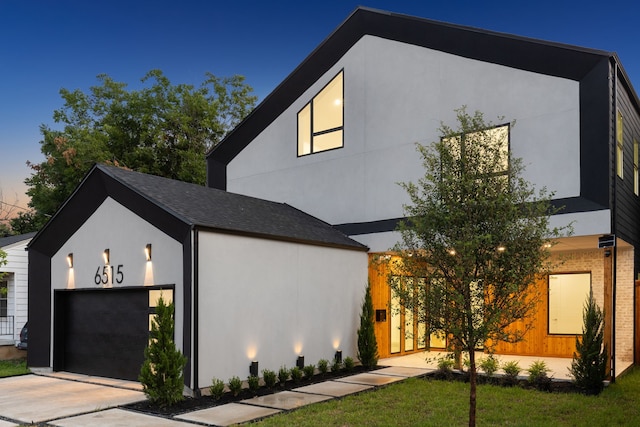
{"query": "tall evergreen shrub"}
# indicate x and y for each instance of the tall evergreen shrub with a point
(161, 372)
(589, 365)
(367, 344)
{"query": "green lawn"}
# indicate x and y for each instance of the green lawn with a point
(9, 368)
(420, 402)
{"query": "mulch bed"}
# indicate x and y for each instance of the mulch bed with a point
(547, 384)
(190, 404)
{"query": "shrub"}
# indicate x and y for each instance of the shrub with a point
(235, 385)
(511, 371)
(296, 374)
(445, 367)
(323, 366)
(217, 388)
(269, 378)
(367, 344)
(538, 375)
(283, 375)
(489, 365)
(253, 383)
(589, 365)
(161, 372)
(309, 370)
(336, 365)
(348, 364)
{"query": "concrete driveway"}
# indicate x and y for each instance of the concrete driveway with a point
(36, 399)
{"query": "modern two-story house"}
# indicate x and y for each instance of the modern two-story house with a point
(271, 261)
(338, 134)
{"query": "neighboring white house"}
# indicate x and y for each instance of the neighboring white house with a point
(13, 288)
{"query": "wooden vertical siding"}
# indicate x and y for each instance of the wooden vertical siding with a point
(537, 341)
(380, 295)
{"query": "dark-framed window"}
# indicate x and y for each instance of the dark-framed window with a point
(321, 121)
(4, 291)
(620, 145)
(636, 177)
(498, 135)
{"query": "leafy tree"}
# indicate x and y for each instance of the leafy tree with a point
(161, 129)
(367, 344)
(161, 372)
(3, 262)
(26, 222)
(589, 365)
(7, 210)
(476, 234)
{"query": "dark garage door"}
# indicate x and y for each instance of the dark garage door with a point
(101, 332)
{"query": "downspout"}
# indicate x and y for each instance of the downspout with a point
(194, 304)
(613, 225)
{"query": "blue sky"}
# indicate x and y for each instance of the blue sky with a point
(48, 45)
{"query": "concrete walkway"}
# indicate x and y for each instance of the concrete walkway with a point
(69, 400)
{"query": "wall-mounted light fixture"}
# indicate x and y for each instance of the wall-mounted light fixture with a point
(147, 251)
(253, 369)
(105, 255)
(338, 356)
(300, 362)
(70, 259)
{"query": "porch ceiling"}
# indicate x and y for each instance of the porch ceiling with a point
(575, 243)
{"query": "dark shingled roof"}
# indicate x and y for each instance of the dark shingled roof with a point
(10, 240)
(219, 210)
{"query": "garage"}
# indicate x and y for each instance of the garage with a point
(233, 265)
(101, 332)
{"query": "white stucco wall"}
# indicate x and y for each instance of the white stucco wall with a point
(17, 281)
(395, 95)
(125, 234)
(269, 301)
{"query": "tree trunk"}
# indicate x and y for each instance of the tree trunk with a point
(472, 388)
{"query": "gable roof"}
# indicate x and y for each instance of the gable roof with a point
(177, 207)
(523, 53)
(10, 240)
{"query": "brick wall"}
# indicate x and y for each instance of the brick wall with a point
(593, 261)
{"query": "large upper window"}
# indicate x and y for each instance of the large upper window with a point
(320, 122)
(486, 151)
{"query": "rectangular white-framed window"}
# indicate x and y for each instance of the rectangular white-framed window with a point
(620, 145)
(568, 293)
(321, 121)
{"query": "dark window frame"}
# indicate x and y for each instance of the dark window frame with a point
(313, 134)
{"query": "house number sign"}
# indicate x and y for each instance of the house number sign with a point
(103, 277)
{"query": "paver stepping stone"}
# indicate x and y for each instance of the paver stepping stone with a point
(333, 388)
(229, 414)
(371, 379)
(286, 400)
(402, 371)
(117, 417)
